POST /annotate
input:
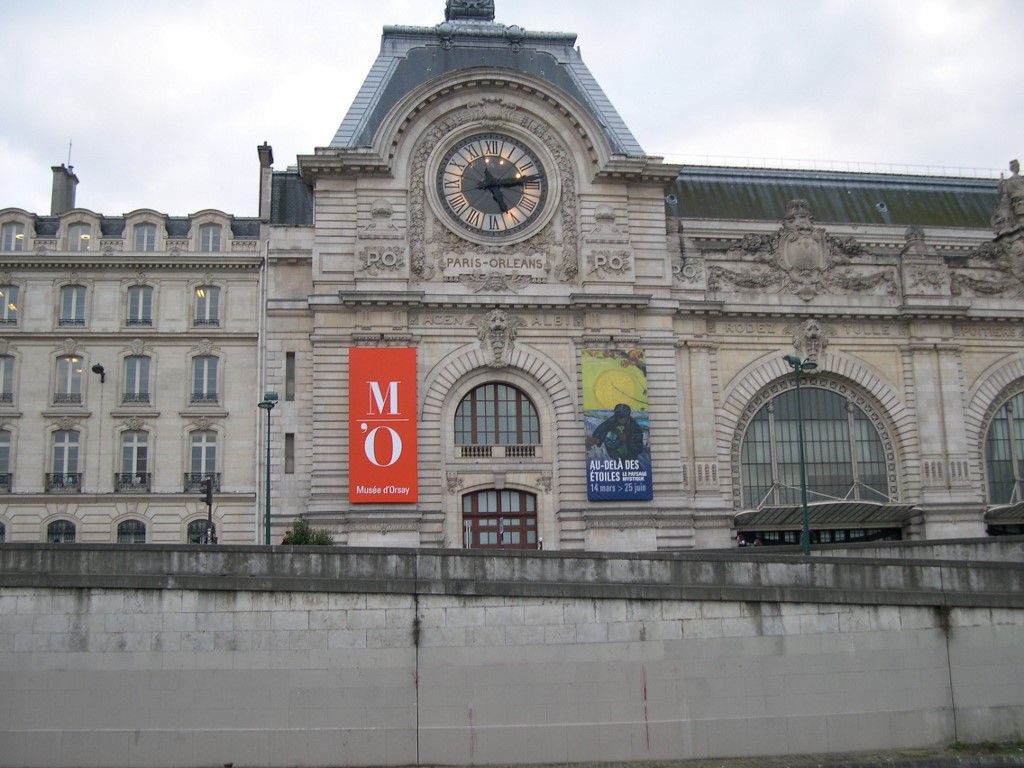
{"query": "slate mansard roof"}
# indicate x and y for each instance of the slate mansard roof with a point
(410, 56)
(756, 194)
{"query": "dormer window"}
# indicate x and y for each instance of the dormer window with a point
(79, 237)
(12, 236)
(145, 237)
(209, 238)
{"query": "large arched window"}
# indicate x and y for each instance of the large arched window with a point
(844, 455)
(60, 532)
(131, 532)
(197, 532)
(499, 520)
(1004, 453)
(497, 414)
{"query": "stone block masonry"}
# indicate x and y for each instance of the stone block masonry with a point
(186, 656)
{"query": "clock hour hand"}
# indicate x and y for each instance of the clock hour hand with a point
(499, 197)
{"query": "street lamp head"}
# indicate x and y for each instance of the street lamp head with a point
(270, 396)
(266, 405)
(793, 361)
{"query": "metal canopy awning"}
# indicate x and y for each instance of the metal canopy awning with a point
(1005, 513)
(827, 513)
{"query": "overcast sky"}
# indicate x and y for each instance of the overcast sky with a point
(165, 101)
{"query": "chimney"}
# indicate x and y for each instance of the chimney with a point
(266, 154)
(64, 183)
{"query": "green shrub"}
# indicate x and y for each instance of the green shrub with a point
(303, 534)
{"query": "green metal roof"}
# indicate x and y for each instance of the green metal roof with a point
(704, 192)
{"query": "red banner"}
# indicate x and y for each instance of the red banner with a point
(382, 425)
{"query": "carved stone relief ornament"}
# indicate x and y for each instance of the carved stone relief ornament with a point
(453, 481)
(70, 346)
(134, 424)
(809, 338)
(606, 248)
(384, 248)
(5, 346)
(137, 347)
(559, 258)
(205, 347)
(924, 273)
(803, 259)
(497, 332)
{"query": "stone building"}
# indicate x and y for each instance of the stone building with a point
(493, 320)
(126, 346)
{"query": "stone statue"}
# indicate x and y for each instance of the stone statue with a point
(1009, 213)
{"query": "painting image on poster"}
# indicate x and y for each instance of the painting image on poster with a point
(617, 425)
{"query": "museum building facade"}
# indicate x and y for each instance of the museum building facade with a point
(492, 320)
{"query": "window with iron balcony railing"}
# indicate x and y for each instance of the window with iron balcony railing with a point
(193, 480)
(64, 482)
(132, 482)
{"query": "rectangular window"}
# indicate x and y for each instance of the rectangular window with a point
(289, 453)
(72, 305)
(69, 381)
(289, 375)
(204, 379)
(8, 305)
(6, 379)
(207, 305)
(140, 305)
(136, 379)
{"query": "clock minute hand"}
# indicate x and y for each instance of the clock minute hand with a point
(516, 182)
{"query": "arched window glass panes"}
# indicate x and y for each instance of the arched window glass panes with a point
(1004, 453)
(844, 455)
(8, 305)
(145, 237)
(495, 519)
(131, 532)
(497, 414)
(69, 380)
(60, 532)
(136, 379)
(140, 305)
(197, 532)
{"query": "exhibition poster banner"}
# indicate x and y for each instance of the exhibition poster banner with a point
(382, 425)
(617, 425)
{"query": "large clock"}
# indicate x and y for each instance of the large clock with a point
(492, 186)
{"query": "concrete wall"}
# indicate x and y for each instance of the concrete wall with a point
(162, 656)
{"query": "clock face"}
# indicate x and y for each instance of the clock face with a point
(491, 185)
